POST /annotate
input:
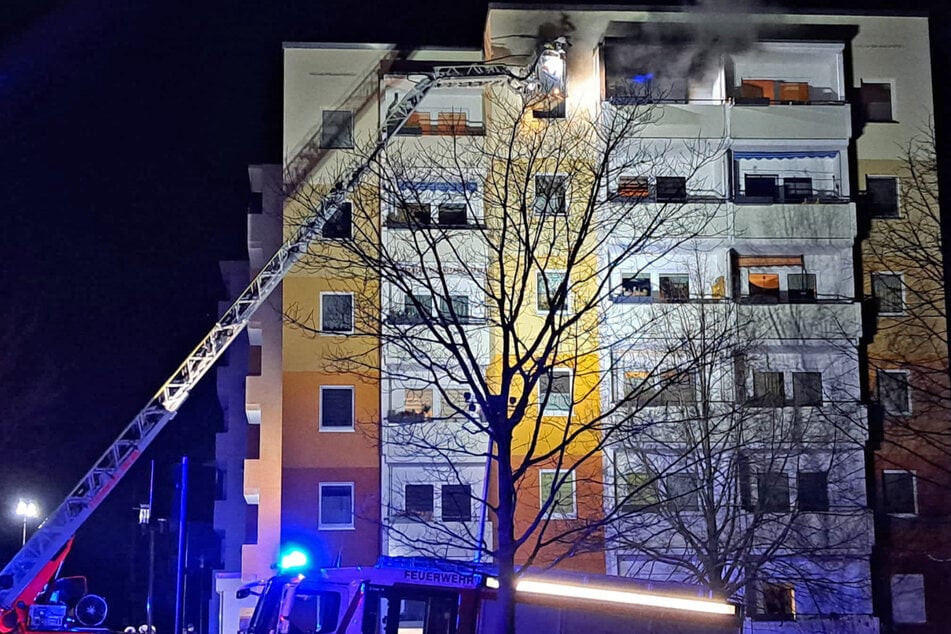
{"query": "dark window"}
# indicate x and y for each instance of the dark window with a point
(797, 189)
(802, 287)
(744, 476)
(898, 488)
(772, 492)
(887, 290)
(336, 312)
(221, 488)
(254, 361)
(313, 612)
(764, 288)
(256, 203)
(556, 111)
(768, 390)
(419, 501)
(338, 225)
(813, 491)
(336, 505)
(876, 101)
(775, 602)
(458, 304)
(682, 492)
(807, 388)
(882, 192)
(456, 503)
(414, 214)
(452, 214)
(758, 186)
(671, 189)
(676, 388)
(674, 288)
(893, 391)
(416, 309)
(336, 408)
(336, 130)
(550, 195)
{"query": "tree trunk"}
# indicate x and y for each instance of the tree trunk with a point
(505, 553)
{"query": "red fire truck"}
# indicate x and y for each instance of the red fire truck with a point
(431, 596)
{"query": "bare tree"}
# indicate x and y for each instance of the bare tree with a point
(483, 264)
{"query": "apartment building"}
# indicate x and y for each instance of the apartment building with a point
(705, 419)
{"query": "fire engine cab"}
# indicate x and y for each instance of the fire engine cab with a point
(432, 596)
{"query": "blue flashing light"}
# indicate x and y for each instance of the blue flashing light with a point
(293, 559)
(642, 79)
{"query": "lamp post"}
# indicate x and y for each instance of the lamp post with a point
(27, 509)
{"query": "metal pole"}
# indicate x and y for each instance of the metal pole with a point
(23, 543)
(151, 528)
(485, 502)
(179, 577)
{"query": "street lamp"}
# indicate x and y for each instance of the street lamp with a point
(27, 509)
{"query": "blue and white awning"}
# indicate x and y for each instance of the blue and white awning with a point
(799, 154)
(454, 187)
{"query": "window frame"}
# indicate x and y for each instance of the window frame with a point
(543, 275)
(901, 280)
(443, 505)
(419, 515)
(795, 397)
(544, 211)
(544, 495)
(892, 102)
(767, 400)
(817, 505)
(776, 476)
(913, 476)
(321, 523)
(878, 394)
(320, 413)
(759, 607)
(881, 177)
(345, 205)
(323, 330)
(545, 407)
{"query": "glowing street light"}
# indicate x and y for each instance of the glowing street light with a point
(27, 509)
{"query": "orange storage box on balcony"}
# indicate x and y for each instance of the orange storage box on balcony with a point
(758, 89)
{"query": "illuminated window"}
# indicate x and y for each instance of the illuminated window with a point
(336, 505)
(764, 287)
(336, 408)
(336, 312)
(636, 285)
(563, 499)
(551, 194)
(633, 187)
(336, 130)
(554, 392)
(418, 402)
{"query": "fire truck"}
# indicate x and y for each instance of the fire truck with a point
(31, 597)
(432, 596)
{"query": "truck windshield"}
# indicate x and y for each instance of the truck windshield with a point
(312, 612)
(264, 619)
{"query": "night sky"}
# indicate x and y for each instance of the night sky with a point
(125, 135)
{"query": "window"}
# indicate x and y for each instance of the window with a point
(336, 312)
(256, 203)
(899, 492)
(812, 491)
(775, 602)
(557, 111)
(416, 309)
(876, 98)
(888, 291)
(764, 288)
(550, 296)
(882, 193)
(638, 285)
(638, 492)
(457, 305)
(554, 392)
(807, 388)
(676, 388)
(772, 492)
(312, 612)
(682, 492)
(674, 288)
(563, 500)
(418, 403)
(550, 194)
(414, 214)
(893, 391)
(336, 130)
(671, 189)
(336, 408)
(797, 189)
(452, 215)
(339, 224)
(760, 186)
(908, 599)
(254, 360)
(336, 505)
(418, 501)
(456, 503)
(768, 390)
(802, 287)
(633, 187)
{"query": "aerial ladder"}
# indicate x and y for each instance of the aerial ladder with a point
(37, 561)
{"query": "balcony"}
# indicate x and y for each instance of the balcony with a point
(413, 436)
(821, 320)
(404, 538)
(791, 121)
(833, 219)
